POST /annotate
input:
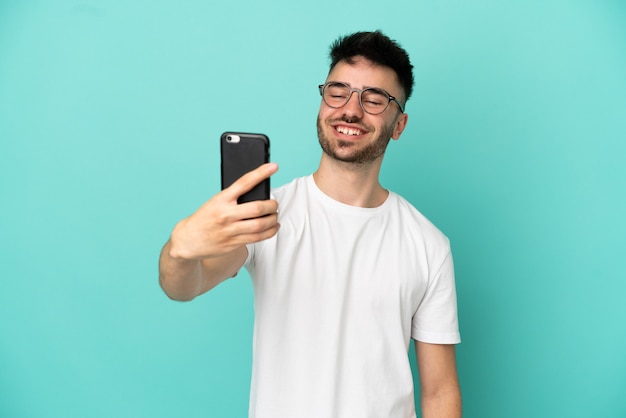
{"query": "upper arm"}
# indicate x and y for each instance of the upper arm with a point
(216, 270)
(437, 368)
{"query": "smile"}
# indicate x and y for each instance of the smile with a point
(349, 131)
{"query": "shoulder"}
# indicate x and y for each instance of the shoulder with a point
(296, 189)
(413, 220)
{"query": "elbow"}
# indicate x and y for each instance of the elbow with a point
(179, 298)
(175, 294)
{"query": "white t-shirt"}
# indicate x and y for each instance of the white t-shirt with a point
(339, 292)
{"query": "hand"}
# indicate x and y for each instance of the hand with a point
(221, 225)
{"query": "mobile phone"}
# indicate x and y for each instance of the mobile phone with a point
(243, 152)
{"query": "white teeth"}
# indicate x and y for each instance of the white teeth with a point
(348, 131)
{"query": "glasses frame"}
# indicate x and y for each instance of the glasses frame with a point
(390, 98)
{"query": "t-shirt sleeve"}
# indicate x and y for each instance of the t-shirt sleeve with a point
(250, 259)
(435, 321)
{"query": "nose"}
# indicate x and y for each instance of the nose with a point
(353, 107)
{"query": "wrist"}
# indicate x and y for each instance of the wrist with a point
(177, 251)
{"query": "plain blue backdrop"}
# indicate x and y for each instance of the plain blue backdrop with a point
(110, 115)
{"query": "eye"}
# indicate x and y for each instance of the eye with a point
(372, 101)
(374, 98)
(336, 91)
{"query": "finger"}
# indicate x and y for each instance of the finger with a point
(249, 231)
(260, 236)
(256, 230)
(255, 225)
(247, 182)
(256, 209)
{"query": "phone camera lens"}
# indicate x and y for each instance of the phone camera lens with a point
(232, 139)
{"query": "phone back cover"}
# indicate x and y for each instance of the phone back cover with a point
(239, 158)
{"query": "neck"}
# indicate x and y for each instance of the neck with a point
(355, 185)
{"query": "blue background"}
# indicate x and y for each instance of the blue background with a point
(110, 114)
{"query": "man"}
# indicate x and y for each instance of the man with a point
(346, 273)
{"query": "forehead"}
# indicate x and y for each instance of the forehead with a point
(362, 73)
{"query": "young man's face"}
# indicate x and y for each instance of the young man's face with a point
(350, 134)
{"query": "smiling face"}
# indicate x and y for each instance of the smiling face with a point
(348, 133)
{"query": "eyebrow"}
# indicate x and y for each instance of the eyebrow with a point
(364, 87)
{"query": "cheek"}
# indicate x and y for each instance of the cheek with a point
(325, 112)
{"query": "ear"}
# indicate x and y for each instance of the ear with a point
(399, 126)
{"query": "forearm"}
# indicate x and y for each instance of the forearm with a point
(442, 405)
(180, 279)
(184, 279)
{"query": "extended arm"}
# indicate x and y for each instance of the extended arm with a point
(209, 246)
(439, 383)
(184, 279)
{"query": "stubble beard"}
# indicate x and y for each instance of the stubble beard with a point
(360, 156)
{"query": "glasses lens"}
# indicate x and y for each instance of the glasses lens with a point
(336, 94)
(374, 101)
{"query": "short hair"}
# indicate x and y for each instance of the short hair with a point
(377, 48)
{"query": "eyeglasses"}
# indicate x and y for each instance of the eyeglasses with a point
(372, 100)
